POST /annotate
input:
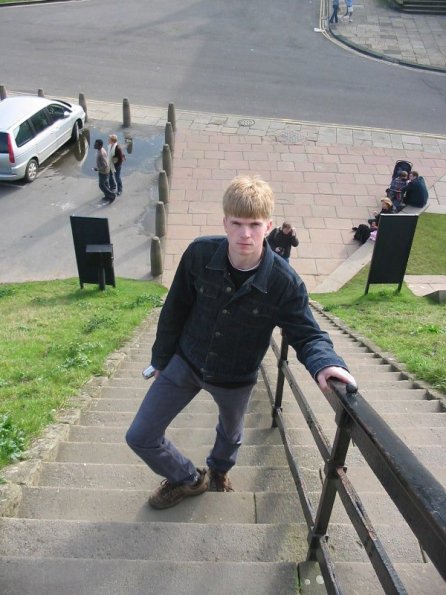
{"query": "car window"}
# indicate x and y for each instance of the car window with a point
(40, 121)
(4, 142)
(23, 133)
(56, 111)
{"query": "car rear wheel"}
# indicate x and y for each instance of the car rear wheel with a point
(31, 170)
(75, 133)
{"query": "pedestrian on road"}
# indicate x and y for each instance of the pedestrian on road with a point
(116, 158)
(228, 294)
(103, 170)
(282, 239)
(348, 10)
(334, 16)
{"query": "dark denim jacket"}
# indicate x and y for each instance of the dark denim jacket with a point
(225, 332)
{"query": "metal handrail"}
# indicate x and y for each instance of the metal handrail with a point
(419, 497)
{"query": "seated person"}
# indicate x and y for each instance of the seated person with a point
(387, 208)
(415, 193)
(396, 189)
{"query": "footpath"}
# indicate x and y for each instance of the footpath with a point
(74, 515)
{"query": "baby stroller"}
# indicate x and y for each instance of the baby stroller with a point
(394, 192)
(401, 166)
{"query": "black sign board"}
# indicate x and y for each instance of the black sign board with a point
(94, 252)
(392, 249)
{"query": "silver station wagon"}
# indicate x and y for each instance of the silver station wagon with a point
(32, 129)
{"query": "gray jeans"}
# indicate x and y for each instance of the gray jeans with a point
(167, 397)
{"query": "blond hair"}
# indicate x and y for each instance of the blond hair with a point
(248, 197)
(113, 138)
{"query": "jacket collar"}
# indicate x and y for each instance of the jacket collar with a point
(218, 262)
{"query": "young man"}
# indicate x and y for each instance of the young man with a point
(227, 296)
(103, 170)
(115, 160)
(281, 239)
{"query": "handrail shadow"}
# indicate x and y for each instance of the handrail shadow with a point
(419, 497)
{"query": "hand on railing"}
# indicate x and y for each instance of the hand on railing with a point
(335, 373)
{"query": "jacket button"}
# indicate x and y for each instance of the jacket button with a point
(217, 334)
(228, 289)
(225, 311)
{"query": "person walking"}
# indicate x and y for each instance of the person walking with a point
(348, 10)
(334, 16)
(228, 294)
(282, 239)
(103, 170)
(116, 158)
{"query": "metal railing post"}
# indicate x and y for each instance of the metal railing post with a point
(283, 358)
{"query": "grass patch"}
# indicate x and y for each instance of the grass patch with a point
(428, 254)
(411, 328)
(53, 338)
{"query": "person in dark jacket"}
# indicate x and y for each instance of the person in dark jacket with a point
(228, 294)
(281, 239)
(103, 170)
(415, 193)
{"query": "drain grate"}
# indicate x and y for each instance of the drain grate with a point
(246, 122)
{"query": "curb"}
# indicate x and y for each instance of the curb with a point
(377, 55)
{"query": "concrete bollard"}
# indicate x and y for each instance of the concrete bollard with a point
(171, 117)
(126, 119)
(40, 93)
(160, 220)
(83, 104)
(169, 137)
(163, 187)
(156, 261)
(167, 162)
(3, 93)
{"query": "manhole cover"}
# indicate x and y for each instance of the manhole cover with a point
(246, 122)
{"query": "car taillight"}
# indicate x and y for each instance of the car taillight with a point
(10, 150)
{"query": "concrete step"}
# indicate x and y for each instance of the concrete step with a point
(35, 538)
(257, 420)
(98, 452)
(321, 406)
(184, 420)
(99, 505)
(364, 376)
(398, 541)
(419, 579)
(113, 392)
(429, 456)
(132, 369)
(133, 477)
(368, 482)
(201, 406)
(193, 436)
(82, 576)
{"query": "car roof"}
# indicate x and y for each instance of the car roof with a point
(14, 110)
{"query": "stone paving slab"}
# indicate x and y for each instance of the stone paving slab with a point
(377, 28)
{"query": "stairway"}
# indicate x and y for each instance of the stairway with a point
(83, 527)
(418, 419)
(427, 7)
(86, 528)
